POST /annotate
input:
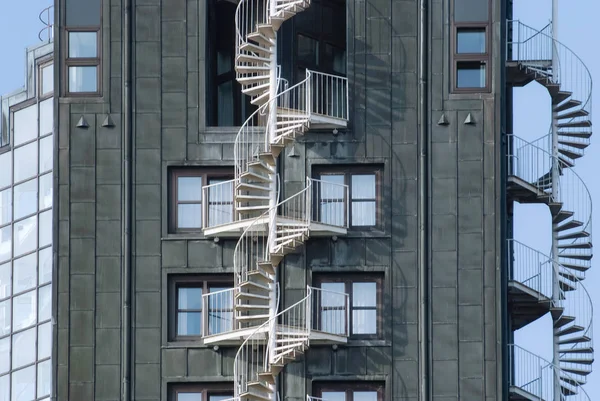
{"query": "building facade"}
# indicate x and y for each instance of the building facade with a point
(293, 198)
(26, 182)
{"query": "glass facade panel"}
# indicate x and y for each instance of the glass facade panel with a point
(5, 243)
(44, 340)
(5, 280)
(45, 266)
(45, 303)
(365, 396)
(44, 379)
(189, 396)
(25, 343)
(5, 316)
(4, 355)
(470, 40)
(24, 310)
(5, 388)
(24, 125)
(470, 75)
(46, 116)
(83, 12)
(189, 188)
(23, 384)
(83, 44)
(26, 162)
(83, 79)
(45, 194)
(189, 311)
(25, 235)
(334, 395)
(46, 146)
(471, 10)
(45, 228)
(25, 274)
(26, 199)
(48, 79)
(5, 206)
(5, 169)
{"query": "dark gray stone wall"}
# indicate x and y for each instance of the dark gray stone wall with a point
(170, 129)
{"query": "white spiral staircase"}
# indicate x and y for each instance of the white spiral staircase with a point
(269, 228)
(542, 172)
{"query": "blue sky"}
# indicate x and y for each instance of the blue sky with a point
(19, 27)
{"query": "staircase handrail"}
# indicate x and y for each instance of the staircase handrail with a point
(568, 60)
(206, 189)
(334, 87)
(49, 23)
(557, 371)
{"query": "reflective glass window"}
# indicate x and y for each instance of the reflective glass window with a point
(5, 388)
(189, 311)
(5, 169)
(25, 273)
(5, 316)
(26, 201)
(44, 340)
(83, 45)
(332, 308)
(45, 228)
(5, 280)
(24, 310)
(331, 194)
(5, 243)
(4, 355)
(220, 201)
(220, 310)
(83, 12)
(43, 379)
(5, 206)
(45, 303)
(25, 125)
(46, 116)
(334, 395)
(45, 193)
(470, 40)
(26, 162)
(25, 235)
(47, 79)
(83, 79)
(471, 10)
(24, 342)
(364, 308)
(23, 384)
(470, 74)
(45, 265)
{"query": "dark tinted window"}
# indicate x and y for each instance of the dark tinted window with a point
(471, 10)
(83, 12)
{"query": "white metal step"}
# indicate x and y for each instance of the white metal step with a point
(260, 38)
(251, 47)
(256, 90)
(250, 58)
(255, 177)
(248, 186)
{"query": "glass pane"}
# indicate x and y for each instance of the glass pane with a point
(23, 384)
(5, 207)
(45, 228)
(188, 323)
(25, 232)
(26, 200)
(220, 314)
(189, 216)
(83, 45)
(45, 263)
(225, 104)
(189, 188)
(83, 79)
(364, 213)
(364, 294)
(364, 322)
(5, 281)
(5, 168)
(334, 396)
(45, 194)
(332, 187)
(24, 308)
(220, 193)
(44, 340)
(336, 59)
(5, 317)
(212, 397)
(308, 50)
(5, 243)
(365, 396)
(26, 162)
(48, 79)
(189, 298)
(25, 273)
(25, 343)
(45, 303)
(333, 299)
(46, 154)
(224, 63)
(189, 396)
(5, 388)
(4, 355)
(363, 186)
(470, 41)
(332, 213)
(333, 321)
(25, 125)
(83, 12)
(471, 10)
(220, 214)
(45, 266)
(46, 116)
(43, 379)
(470, 75)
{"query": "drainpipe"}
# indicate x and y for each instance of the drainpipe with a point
(127, 199)
(423, 180)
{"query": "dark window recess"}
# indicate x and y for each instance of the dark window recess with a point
(82, 54)
(366, 304)
(471, 74)
(350, 391)
(186, 211)
(364, 196)
(201, 392)
(189, 314)
(471, 11)
(226, 104)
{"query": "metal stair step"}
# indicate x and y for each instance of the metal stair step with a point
(266, 30)
(259, 387)
(255, 286)
(276, 149)
(251, 58)
(575, 134)
(248, 296)
(252, 176)
(252, 69)
(250, 395)
(570, 153)
(579, 234)
(567, 105)
(577, 371)
(256, 90)
(251, 198)
(585, 350)
(578, 145)
(583, 361)
(573, 266)
(575, 256)
(266, 266)
(565, 162)
(267, 158)
(563, 320)
(252, 208)
(562, 216)
(575, 124)
(565, 286)
(297, 344)
(572, 381)
(289, 128)
(569, 275)
(576, 245)
(251, 47)
(267, 377)
(247, 186)
(575, 340)
(567, 390)
(260, 39)
(276, 368)
(573, 114)
(261, 99)
(570, 330)
(252, 317)
(561, 96)
(555, 207)
(259, 166)
(569, 225)
(261, 277)
(248, 307)
(253, 79)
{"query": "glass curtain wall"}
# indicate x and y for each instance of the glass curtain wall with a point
(26, 251)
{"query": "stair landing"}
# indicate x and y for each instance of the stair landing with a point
(236, 228)
(236, 337)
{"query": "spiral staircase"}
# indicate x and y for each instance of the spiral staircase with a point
(247, 316)
(542, 172)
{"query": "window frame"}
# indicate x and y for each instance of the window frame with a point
(176, 282)
(483, 58)
(349, 387)
(206, 389)
(348, 280)
(206, 173)
(348, 171)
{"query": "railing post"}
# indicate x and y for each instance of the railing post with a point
(308, 92)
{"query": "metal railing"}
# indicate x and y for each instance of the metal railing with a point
(537, 376)
(46, 17)
(531, 268)
(218, 203)
(327, 94)
(219, 312)
(540, 52)
(330, 311)
(331, 202)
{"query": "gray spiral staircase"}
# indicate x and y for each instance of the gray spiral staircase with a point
(248, 315)
(542, 171)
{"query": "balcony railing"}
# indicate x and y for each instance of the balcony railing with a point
(219, 313)
(327, 94)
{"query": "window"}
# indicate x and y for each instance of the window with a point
(365, 300)
(363, 193)
(201, 392)
(226, 104)
(350, 391)
(471, 55)
(83, 21)
(191, 314)
(186, 198)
